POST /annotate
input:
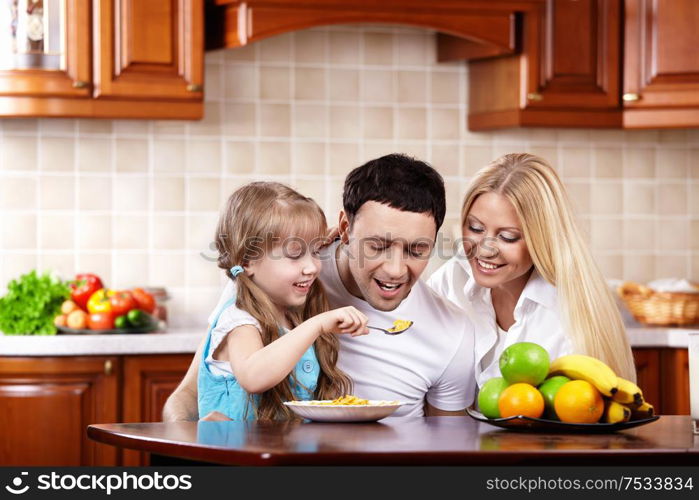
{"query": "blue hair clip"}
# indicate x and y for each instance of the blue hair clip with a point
(236, 270)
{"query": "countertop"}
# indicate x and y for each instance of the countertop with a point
(186, 340)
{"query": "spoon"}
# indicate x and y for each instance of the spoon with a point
(399, 326)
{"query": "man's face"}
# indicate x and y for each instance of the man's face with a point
(388, 250)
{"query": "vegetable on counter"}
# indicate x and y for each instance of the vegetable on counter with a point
(144, 300)
(99, 302)
(83, 287)
(32, 303)
(122, 302)
(101, 321)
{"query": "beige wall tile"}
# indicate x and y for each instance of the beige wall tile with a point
(18, 153)
(446, 123)
(610, 265)
(566, 135)
(412, 123)
(15, 265)
(694, 271)
(169, 128)
(412, 49)
(204, 156)
(343, 84)
(475, 158)
(310, 46)
(245, 53)
(18, 231)
(671, 267)
(309, 84)
(312, 188)
(446, 87)
(377, 85)
(57, 126)
(168, 232)
(201, 232)
(169, 156)
(412, 148)
(93, 126)
(239, 157)
(672, 199)
(57, 154)
(445, 159)
(241, 82)
(94, 232)
(135, 127)
(373, 150)
(95, 155)
(639, 268)
(639, 162)
(274, 158)
(275, 120)
(672, 136)
(694, 199)
(643, 137)
(345, 122)
(639, 198)
(309, 158)
(607, 199)
(639, 234)
(18, 193)
(579, 193)
(98, 263)
(131, 193)
(201, 272)
(57, 192)
(343, 47)
(203, 194)
(378, 123)
(309, 120)
(343, 158)
(575, 162)
(28, 125)
(213, 76)
(167, 270)
(169, 193)
(131, 155)
(411, 86)
(606, 234)
(609, 163)
(56, 232)
(378, 48)
(694, 235)
(131, 232)
(130, 270)
(694, 163)
(673, 235)
(549, 154)
(94, 193)
(275, 83)
(211, 124)
(276, 48)
(239, 119)
(607, 135)
(59, 263)
(671, 164)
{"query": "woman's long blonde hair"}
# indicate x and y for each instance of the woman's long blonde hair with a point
(559, 254)
(257, 217)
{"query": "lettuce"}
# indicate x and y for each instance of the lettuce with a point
(31, 304)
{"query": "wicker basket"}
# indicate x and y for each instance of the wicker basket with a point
(660, 308)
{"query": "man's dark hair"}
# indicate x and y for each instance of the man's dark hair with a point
(398, 181)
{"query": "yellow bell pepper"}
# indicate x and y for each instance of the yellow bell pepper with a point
(99, 302)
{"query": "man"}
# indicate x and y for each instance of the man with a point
(392, 209)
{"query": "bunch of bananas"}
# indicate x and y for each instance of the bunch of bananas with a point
(623, 400)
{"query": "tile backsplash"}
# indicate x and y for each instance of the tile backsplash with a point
(137, 201)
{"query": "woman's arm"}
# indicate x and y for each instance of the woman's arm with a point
(258, 367)
(182, 403)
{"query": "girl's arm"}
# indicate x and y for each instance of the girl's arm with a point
(259, 368)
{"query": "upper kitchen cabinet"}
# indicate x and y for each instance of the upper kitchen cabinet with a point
(661, 63)
(566, 73)
(102, 58)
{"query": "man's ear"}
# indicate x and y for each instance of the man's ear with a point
(343, 227)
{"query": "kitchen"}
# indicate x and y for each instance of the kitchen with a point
(135, 199)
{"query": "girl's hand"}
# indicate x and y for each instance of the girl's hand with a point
(344, 320)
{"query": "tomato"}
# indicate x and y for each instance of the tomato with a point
(101, 321)
(99, 302)
(122, 302)
(83, 287)
(144, 300)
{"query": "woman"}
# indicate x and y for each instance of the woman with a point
(525, 274)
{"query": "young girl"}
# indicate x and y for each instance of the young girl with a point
(525, 272)
(274, 341)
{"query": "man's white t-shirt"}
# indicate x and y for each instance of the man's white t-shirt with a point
(433, 360)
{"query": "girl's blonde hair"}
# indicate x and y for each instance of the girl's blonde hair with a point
(559, 254)
(257, 217)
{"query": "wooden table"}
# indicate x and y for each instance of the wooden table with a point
(396, 441)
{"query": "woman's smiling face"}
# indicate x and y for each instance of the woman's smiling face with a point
(494, 242)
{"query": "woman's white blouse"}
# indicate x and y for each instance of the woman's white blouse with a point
(537, 315)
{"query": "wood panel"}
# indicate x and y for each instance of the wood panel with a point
(674, 374)
(648, 375)
(149, 49)
(148, 382)
(47, 403)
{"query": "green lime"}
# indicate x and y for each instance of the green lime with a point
(488, 397)
(549, 389)
(525, 362)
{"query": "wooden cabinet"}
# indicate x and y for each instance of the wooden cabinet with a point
(567, 73)
(48, 402)
(663, 375)
(120, 59)
(661, 63)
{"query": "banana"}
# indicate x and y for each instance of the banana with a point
(615, 412)
(581, 367)
(628, 393)
(645, 410)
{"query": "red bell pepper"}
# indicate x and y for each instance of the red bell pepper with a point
(83, 287)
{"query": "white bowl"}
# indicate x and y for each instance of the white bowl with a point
(371, 412)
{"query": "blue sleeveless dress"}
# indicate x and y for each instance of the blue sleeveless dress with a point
(224, 394)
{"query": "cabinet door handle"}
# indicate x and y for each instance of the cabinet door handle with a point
(80, 84)
(194, 87)
(108, 367)
(630, 97)
(534, 96)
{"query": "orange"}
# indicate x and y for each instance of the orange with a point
(578, 402)
(521, 399)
